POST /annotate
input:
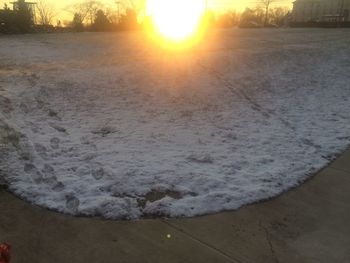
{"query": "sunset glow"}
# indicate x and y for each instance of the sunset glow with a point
(176, 20)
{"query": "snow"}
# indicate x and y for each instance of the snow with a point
(109, 125)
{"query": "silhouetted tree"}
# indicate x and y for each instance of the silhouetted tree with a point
(278, 15)
(87, 10)
(45, 12)
(23, 17)
(252, 16)
(92, 8)
(266, 5)
(7, 20)
(101, 22)
(131, 10)
(112, 16)
(128, 21)
(228, 19)
(77, 23)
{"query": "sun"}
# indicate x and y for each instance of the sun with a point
(176, 20)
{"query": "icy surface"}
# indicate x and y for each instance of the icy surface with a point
(106, 125)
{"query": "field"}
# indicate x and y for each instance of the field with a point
(111, 125)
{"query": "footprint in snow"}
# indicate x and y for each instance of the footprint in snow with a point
(53, 114)
(58, 128)
(35, 174)
(72, 203)
(58, 187)
(48, 170)
(97, 172)
(41, 150)
(94, 170)
(55, 143)
(51, 179)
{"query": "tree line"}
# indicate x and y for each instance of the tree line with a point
(93, 15)
(89, 15)
(17, 20)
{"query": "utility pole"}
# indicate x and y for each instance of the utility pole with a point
(118, 5)
(341, 11)
(267, 6)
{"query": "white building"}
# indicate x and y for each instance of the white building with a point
(321, 10)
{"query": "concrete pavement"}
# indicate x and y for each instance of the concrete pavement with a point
(307, 224)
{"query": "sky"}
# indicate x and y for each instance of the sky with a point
(238, 5)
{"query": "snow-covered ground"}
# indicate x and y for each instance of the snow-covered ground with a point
(109, 125)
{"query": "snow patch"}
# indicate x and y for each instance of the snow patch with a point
(100, 125)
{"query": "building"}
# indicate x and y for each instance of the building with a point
(321, 11)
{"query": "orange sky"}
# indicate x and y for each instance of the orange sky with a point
(238, 5)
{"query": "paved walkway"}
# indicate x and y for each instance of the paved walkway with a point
(307, 224)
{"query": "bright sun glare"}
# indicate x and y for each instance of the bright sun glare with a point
(176, 20)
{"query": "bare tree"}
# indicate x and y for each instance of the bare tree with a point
(125, 8)
(86, 10)
(278, 15)
(253, 16)
(227, 19)
(134, 5)
(45, 12)
(112, 15)
(92, 7)
(266, 5)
